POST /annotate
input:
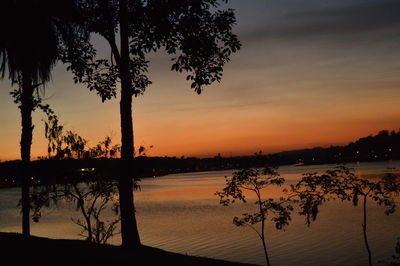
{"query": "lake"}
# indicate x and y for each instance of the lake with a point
(180, 213)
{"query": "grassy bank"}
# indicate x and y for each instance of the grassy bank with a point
(18, 250)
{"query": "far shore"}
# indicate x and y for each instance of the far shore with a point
(71, 171)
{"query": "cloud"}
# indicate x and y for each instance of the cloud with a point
(221, 106)
(377, 15)
(362, 17)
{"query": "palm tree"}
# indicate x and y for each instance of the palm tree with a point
(28, 52)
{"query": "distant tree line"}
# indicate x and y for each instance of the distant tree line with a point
(383, 146)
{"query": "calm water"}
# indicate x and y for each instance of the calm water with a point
(180, 213)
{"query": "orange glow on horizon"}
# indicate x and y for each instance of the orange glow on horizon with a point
(280, 92)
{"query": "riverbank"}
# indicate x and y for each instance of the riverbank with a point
(73, 171)
(43, 251)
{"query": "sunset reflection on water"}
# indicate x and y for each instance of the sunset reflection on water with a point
(180, 213)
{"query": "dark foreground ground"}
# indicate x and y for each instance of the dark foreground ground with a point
(16, 250)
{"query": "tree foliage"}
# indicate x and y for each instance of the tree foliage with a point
(196, 33)
(341, 183)
(68, 144)
(255, 180)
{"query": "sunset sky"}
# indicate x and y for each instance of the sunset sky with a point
(310, 73)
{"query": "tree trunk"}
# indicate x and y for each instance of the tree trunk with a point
(262, 236)
(26, 108)
(364, 227)
(129, 231)
(81, 204)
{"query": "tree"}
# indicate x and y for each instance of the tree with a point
(90, 198)
(341, 183)
(70, 145)
(29, 49)
(196, 33)
(28, 52)
(255, 180)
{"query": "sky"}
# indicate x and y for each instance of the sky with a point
(310, 73)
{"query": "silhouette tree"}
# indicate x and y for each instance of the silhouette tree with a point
(29, 49)
(28, 52)
(196, 33)
(90, 198)
(255, 180)
(341, 183)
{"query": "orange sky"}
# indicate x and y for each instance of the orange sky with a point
(289, 87)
